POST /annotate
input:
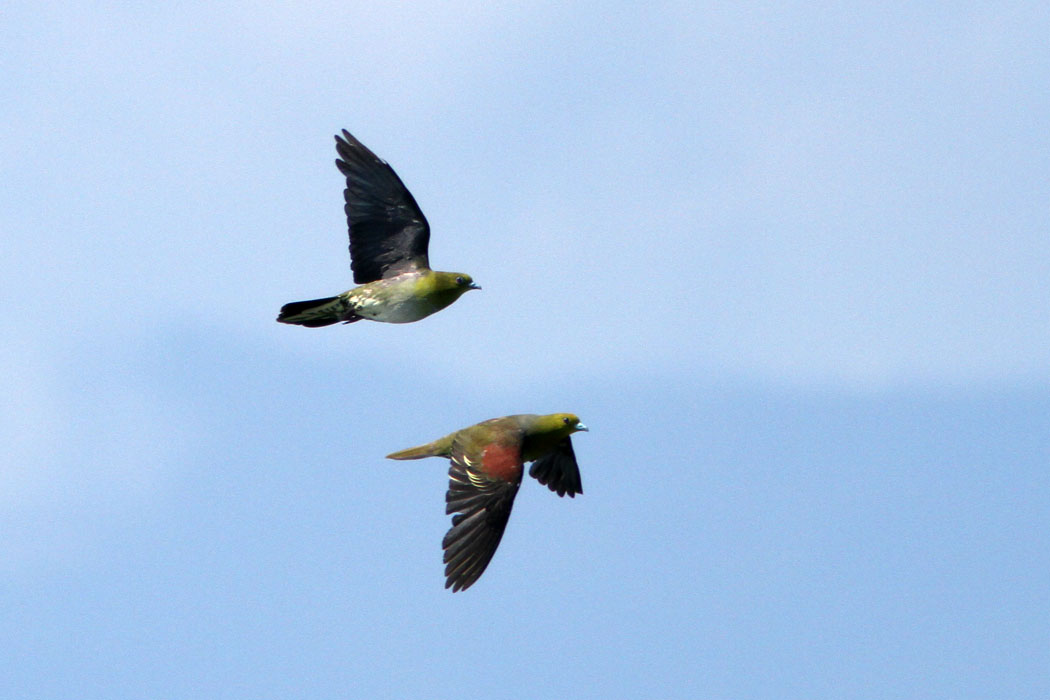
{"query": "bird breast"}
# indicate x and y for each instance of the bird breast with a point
(393, 300)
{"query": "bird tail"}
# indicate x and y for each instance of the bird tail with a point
(318, 312)
(438, 448)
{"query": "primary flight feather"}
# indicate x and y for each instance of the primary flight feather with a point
(389, 237)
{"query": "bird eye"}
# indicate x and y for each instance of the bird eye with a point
(565, 421)
(459, 280)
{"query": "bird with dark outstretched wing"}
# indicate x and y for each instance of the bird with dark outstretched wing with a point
(389, 237)
(486, 469)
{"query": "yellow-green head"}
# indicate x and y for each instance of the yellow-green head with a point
(559, 424)
(457, 282)
(443, 288)
(543, 433)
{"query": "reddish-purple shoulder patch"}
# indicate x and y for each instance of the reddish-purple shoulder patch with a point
(502, 462)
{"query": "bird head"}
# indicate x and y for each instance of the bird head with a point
(466, 282)
(559, 424)
(459, 281)
(544, 433)
(443, 288)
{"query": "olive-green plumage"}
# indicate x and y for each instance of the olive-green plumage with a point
(486, 470)
(389, 237)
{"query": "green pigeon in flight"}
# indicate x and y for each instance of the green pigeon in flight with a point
(486, 468)
(388, 251)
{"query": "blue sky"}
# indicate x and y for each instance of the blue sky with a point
(789, 262)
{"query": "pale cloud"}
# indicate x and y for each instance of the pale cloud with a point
(89, 443)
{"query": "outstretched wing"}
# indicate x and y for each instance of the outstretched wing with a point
(388, 232)
(481, 490)
(558, 470)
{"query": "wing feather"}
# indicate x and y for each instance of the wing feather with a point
(480, 506)
(388, 233)
(558, 470)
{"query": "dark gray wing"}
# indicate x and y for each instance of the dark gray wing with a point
(482, 506)
(558, 470)
(388, 233)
